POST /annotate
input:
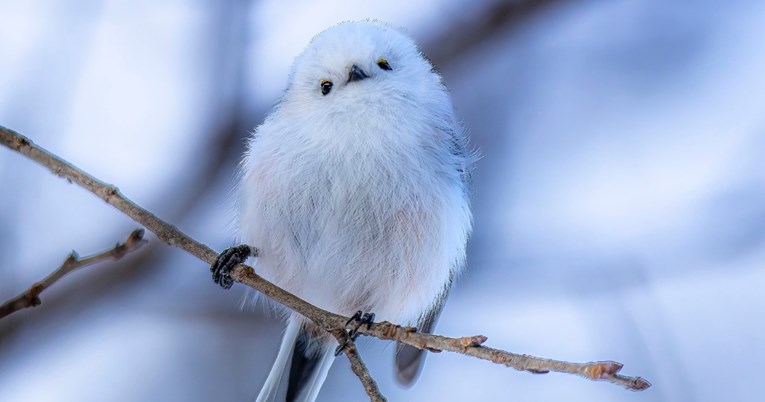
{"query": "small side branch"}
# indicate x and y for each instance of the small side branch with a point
(357, 365)
(31, 297)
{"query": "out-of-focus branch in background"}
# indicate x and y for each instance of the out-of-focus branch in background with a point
(494, 20)
(31, 297)
(224, 145)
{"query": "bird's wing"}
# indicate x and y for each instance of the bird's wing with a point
(465, 157)
(408, 358)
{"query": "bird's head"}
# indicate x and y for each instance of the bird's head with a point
(357, 65)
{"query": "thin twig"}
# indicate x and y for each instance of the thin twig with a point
(31, 297)
(471, 346)
(357, 365)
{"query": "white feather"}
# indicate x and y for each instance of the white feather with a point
(311, 390)
(272, 386)
(357, 199)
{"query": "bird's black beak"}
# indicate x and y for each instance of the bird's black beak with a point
(356, 74)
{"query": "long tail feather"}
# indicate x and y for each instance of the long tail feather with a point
(270, 390)
(302, 365)
(309, 370)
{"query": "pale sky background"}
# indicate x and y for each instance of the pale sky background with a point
(619, 204)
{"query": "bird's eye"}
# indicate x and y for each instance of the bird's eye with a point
(382, 63)
(326, 86)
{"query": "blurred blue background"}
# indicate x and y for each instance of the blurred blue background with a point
(619, 204)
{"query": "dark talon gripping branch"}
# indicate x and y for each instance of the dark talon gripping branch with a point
(227, 260)
(361, 319)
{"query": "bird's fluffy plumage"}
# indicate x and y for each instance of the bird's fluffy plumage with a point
(357, 199)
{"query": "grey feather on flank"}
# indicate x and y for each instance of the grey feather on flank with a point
(409, 360)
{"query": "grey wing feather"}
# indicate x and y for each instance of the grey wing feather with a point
(408, 358)
(459, 148)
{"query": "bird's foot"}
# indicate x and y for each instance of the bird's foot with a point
(361, 319)
(227, 260)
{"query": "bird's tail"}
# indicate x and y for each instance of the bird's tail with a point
(303, 361)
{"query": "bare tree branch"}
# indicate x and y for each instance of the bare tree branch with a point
(357, 365)
(471, 346)
(30, 297)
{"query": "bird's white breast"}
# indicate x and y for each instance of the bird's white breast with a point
(355, 213)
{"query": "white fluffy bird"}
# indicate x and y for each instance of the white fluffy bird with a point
(354, 191)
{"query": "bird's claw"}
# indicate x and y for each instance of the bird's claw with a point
(361, 319)
(226, 261)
